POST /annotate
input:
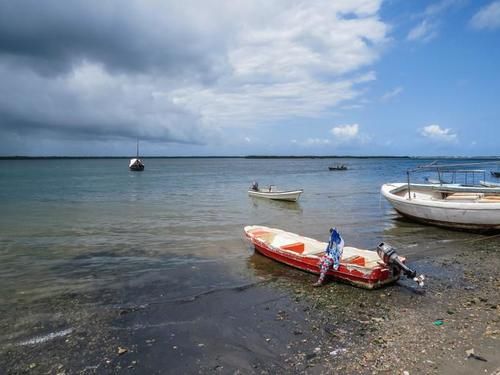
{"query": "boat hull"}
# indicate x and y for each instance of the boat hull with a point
(137, 168)
(469, 215)
(371, 277)
(290, 196)
(136, 165)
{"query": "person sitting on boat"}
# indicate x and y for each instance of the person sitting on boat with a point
(333, 254)
(255, 186)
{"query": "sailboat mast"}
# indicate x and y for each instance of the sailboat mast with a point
(137, 149)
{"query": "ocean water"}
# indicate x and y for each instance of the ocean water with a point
(76, 226)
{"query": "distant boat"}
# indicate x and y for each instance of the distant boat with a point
(272, 193)
(136, 164)
(339, 167)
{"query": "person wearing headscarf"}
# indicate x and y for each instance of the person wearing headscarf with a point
(332, 256)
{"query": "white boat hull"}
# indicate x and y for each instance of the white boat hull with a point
(291, 196)
(465, 211)
(136, 165)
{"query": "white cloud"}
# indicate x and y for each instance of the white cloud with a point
(212, 65)
(424, 31)
(427, 28)
(317, 141)
(435, 132)
(488, 17)
(434, 10)
(345, 132)
(391, 94)
(312, 142)
(298, 59)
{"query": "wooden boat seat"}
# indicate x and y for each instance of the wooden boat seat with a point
(355, 259)
(491, 198)
(464, 196)
(263, 235)
(258, 232)
(297, 247)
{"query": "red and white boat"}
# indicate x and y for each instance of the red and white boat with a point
(363, 268)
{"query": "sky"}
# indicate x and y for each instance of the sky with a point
(256, 77)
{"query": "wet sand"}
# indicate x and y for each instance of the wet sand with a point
(276, 323)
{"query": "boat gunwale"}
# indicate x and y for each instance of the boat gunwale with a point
(277, 191)
(282, 195)
(437, 203)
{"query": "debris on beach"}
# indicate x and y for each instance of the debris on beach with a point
(122, 350)
(470, 354)
(338, 351)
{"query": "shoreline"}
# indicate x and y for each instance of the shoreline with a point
(280, 324)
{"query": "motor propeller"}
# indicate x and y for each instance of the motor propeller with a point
(388, 254)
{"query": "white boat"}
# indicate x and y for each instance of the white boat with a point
(489, 184)
(272, 193)
(136, 164)
(452, 206)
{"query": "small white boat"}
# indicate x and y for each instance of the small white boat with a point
(136, 164)
(450, 206)
(272, 193)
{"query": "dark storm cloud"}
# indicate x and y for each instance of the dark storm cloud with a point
(35, 106)
(89, 69)
(83, 128)
(53, 36)
(174, 71)
(40, 106)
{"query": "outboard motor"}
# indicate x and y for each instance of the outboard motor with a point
(388, 254)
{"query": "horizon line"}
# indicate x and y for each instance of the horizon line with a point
(482, 157)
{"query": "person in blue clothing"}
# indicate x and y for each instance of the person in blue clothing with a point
(332, 256)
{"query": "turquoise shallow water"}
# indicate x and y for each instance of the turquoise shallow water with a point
(73, 225)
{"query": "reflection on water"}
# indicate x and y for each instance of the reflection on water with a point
(269, 269)
(276, 204)
(418, 241)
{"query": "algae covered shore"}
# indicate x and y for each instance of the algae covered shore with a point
(277, 323)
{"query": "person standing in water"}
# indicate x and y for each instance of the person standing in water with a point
(332, 256)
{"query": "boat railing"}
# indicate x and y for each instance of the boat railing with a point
(463, 174)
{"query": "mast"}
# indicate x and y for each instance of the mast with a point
(137, 148)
